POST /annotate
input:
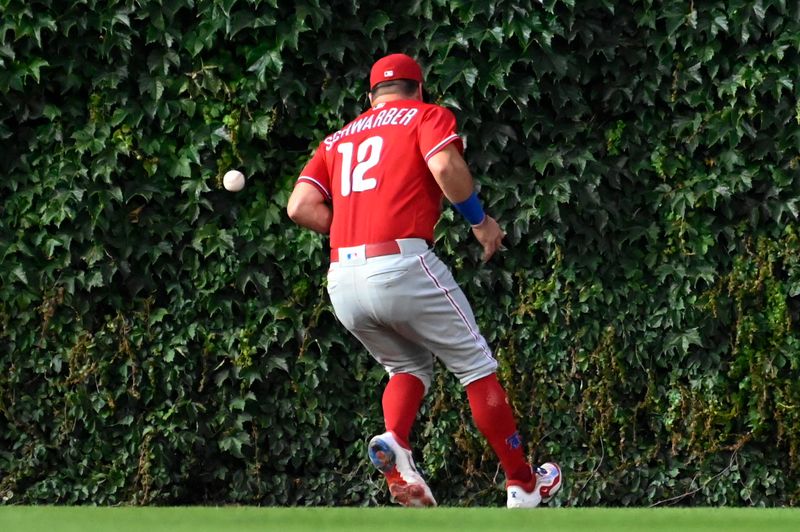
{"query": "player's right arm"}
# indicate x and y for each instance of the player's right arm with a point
(450, 171)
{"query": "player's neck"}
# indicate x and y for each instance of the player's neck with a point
(386, 98)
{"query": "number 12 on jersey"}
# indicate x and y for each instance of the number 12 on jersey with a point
(368, 154)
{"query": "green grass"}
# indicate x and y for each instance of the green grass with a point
(245, 519)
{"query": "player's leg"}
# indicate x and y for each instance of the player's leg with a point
(410, 368)
(494, 417)
(401, 400)
(446, 325)
(381, 302)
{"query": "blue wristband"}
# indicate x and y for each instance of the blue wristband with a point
(471, 209)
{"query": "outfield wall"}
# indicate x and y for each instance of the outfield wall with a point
(164, 341)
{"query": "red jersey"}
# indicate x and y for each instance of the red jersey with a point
(374, 170)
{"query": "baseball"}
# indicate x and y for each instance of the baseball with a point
(233, 180)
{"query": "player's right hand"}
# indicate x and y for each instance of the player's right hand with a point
(490, 236)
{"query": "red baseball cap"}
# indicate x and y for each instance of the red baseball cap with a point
(394, 66)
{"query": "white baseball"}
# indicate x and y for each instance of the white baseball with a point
(233, 180)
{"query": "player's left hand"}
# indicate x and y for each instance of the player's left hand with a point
(490, 236)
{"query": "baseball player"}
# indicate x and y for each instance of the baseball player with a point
(376, 186)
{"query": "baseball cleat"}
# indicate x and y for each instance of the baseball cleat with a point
(542, 487)
(406, 485)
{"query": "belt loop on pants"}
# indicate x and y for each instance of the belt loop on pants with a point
(380, 249)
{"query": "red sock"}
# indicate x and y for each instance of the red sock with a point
(401, 399)
(495, 419)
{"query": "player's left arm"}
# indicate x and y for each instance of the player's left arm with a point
(308, 207)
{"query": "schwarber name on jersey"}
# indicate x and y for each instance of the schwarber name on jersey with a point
(374, 170)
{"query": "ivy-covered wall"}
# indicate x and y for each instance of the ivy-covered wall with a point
(165, 341)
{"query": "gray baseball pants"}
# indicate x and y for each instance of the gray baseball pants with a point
(407, 308)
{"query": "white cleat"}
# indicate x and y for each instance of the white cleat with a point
(396, 463)
(542, 488)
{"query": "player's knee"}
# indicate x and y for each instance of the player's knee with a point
(467, 376)
(424, 376)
